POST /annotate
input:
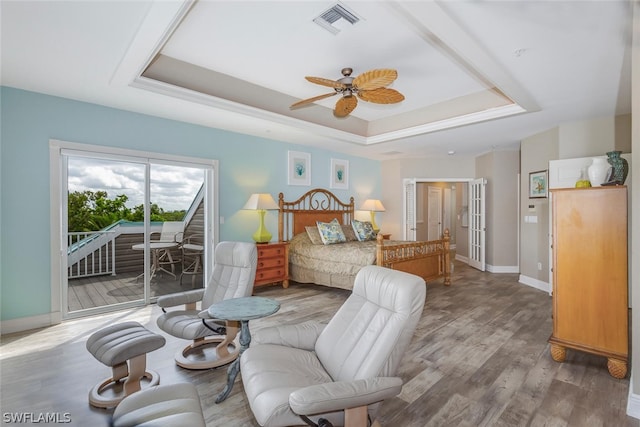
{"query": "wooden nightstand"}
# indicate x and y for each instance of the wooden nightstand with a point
(386, 236)
(273, 264)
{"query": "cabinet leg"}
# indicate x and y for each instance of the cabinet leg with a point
(558, 353)
(617, 368)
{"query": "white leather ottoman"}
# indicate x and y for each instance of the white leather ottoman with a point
(124, 348)
(164, 405)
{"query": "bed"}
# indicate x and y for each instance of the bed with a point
(336, 265)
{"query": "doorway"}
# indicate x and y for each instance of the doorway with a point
(438, 204)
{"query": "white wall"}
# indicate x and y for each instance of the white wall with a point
(535, 153)
(501, 169)
(587, 138)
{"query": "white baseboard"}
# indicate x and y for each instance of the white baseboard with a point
(502, 268)
(26, 323)
(633, 402)
(492, 268)
(535, 283)
(462, 258)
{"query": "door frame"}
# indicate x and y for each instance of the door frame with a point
(414, 181)
(57, 221)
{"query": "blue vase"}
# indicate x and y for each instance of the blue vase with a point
(620, 168)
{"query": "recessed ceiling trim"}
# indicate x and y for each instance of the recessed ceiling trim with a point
(152, 40)
(194, 96)
(480, 116)
(224, 104)
(161, 21)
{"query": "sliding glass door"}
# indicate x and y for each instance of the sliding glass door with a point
(133, 228)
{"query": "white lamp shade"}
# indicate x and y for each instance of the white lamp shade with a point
(373, 205)
(261, 201)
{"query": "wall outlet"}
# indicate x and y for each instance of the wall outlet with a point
(539, 266)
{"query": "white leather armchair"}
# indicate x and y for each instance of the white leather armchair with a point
(234, 272)
(341, 371)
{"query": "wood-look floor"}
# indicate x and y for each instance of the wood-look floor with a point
(479, 357)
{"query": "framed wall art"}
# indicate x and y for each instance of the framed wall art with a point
(339, 174)
(538, 184)
(299, 165)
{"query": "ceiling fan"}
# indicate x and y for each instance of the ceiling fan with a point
(369, 86)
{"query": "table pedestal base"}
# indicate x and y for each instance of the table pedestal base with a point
(234, 368)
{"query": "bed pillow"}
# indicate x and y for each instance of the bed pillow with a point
(314, 235)
(363, 230)
(349, 234)
(331, 232)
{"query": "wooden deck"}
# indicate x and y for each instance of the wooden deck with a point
(100, 291)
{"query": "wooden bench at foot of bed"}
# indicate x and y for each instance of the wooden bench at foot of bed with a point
(429, 260)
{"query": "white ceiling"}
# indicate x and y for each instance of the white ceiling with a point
(477, 75)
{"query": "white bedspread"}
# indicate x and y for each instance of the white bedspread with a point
(341, 258)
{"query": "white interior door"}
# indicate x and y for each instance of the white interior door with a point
(409, 210)
(447, 209)
(434, 213)
(477, 225)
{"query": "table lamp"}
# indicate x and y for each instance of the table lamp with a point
(261, 202)
(373, 205)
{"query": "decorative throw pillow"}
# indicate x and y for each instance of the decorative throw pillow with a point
(363, 230)
(331, 232)
(349, 234)
(314, 235)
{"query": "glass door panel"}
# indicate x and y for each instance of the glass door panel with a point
(177, 228)
(104, 222)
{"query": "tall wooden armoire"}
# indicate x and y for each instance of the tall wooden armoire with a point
(590, 308)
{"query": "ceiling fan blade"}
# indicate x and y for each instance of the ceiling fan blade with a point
(310, 100)
(381, 95)
(325, 82)
(375, 79)
(345, 105)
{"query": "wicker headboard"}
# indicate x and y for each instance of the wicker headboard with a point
(315, 205)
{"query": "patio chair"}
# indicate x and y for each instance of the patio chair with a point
(234, 272)
(192, 248)
(172, 232)
(338, 373)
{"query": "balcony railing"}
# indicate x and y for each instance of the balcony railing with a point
(91, 253)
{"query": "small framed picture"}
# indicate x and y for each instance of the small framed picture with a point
(538, 184)
(299, 168)
(339, 174)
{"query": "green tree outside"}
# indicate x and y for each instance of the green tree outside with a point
(94, 210)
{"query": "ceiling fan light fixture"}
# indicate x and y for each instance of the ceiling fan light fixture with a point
(369, 86)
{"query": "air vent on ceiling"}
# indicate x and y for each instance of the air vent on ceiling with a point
(331, 16)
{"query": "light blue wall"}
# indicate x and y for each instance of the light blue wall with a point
(29, 120)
